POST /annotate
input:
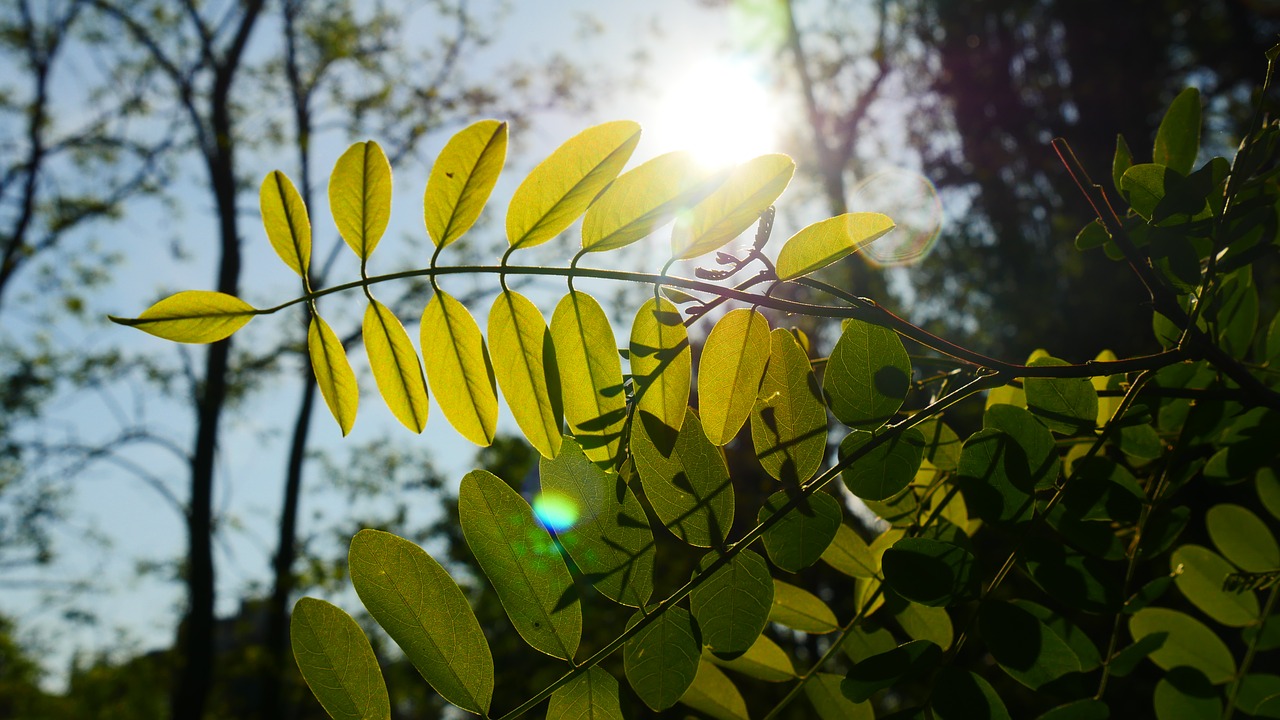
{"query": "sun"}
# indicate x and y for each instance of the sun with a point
(720, 112)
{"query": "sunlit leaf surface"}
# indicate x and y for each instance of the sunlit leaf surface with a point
(337, 662)
(193, 316)
(462, 178)
(525, 366)
(333, 373)
(458, 368)
(360, 196)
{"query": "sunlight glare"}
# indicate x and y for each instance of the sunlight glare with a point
(721, 113)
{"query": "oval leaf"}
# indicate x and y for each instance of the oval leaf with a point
(1066, 405)
(333, 373)
(284, 216)
(685, 479)
(930, 572)
(921, 622)
(1024, 647)
(823, 691)
(458, 368)
(462, 179)
(830, 241)
(764, 660)
(867, 376)
(962, 695)
(522, 563)
(360, 196)
(1186, 642)
(593, 695)
(1178, 138)
(789, 420)
(661, 362)
(732, 606)
(425, 612)
(730, 371)
(750, 189)
(885, 469)
(641, 200)
(714, 694)
(1032, 437)
(995, 478)
(1200, 573)
(661, 660)
(849, 554)
(799, 609)
(395, 366)
(526, 369)
(193, 316)
(1243, 538)
(804, 533)
(561, 187)
(887, 668)
(337, 662)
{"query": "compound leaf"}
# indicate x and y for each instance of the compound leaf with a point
(525, 366)
(193, 316)
(732, 606)
(284, 216)
(395, 366)
(360, 196)
(885, 469)
(641, 200)
(462, 179)
(750, 188)
(685, 479)
(333, 373)
(337, 662)
(802, 536)
(458, 368)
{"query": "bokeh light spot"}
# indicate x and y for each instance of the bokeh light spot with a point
(555, 511)
(913, 204)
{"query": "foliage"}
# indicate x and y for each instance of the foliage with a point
(1083, 477)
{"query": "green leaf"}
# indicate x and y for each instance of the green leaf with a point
(333, 373)
(462, 179)
(193, 316)
(1178, 138)
(360, 196)
(750, 189)
(1035, 440)
(764, 660)
(867, 376)
(789, 420)
(962, 695)
(526, 370)
(729, 372)
(884, 470)
(1200, 574)
(823, 691)
(799, 609)
(803, 534)
(522, 563)
(611, 543)
(425, 613)
(1187, 642)
(1267, 485)
(1024, 647)
(337, 662)
(1144, 187)
(941, 444)
(641, 200)
(590, 376)
(732, 606)
(1255, 689)
(930, 572)
(848, 554)
(714, 694)
(1121, 161)
(1091, 236)
(661, 362)
(458, 368)
(1243, 538)
(1185, 694)
(661, 659)
(561, 187)
(1075, 579)
(593, 695)
(867, 639)
(685, 479)
(1081, 646)
(921, 622)
(884, 670)
(829, 241)
(1066, 405)
(1086, 709)
(395, 366)
(284, 216)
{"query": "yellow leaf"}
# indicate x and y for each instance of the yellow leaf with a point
(561, 187)
(641, 200)
(333, 373)
(525, 365)
(590, 376)
(661, 362)
(462, 179)
(828, 241)
(284, 216)
(395, 366)
(193, 316)
(458, 368)
(733, 207)
(729, 372)
(360, 196)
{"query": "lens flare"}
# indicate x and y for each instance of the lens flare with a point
(555, 511)
(720, 112)
(913, 204)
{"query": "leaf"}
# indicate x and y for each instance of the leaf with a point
(1076, 639)
(1200, 575)
(1178, 138)
(1185, 694)
(1243, 538)
(337, 662)
(729, 372)
(193, 316)
(522, 563)
(732, 606)
(1091, 236)
(1033, 438)
(1086, 709)
(641, 200)
(462, 179)
(1066, 405)
(884, 470)
(661, 362)
(360, 196)
(750, 189)
(1187, 642)
(426, 614)
(458, 368)
(848, 554)
(526, 370)
(1077, 580)
(803, 534)
(823, 691)
(921, 622)
(685, 479)
(801, 610)
(714, 694)
(867, 639)
(764, 660)
(661, 660)
(590, 376)
(867, 376)
(1121, 161)
(1024, 647)
(961, 694)
(284, 217)
(333, 373)
(941, 444)
(395, 366)
(995, 478)
(1144, 187)
(930, 572)
(611, 544)
(593, 695)
(562, 186)
(789, 420)
(884, 670)
(829, 241)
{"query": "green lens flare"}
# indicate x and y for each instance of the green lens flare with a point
(555, 511)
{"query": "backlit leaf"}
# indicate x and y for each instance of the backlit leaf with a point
(733, 207)
(849, 554)
(789, 420)
(732, 606)
(803, 534)
(962, 695)
(1200, 574)
(922, 622)
(884, 470)
(1184, 694)
(524, 363)
(458, 368)
(941, 444)
(1032, 437)
(1076, 639)
(823, 691)
(661, 660)
(462, 179)
(1242, 538)
(593, 695)
(193, 316)
(1067, 405)
(360, 196)
(729, 372)
(828, 241)
(1122, 160)
(867, 376)
(867, 639)
(641, 200)
(522, 563)
(1187, 642)
(561, 186)
(333, 373)
(337, 662)
(590, 376)
(661, 362)
(395, 366)
(884, 670)
(685, 479)
(714, 694)
(930, 572)
(799, 609)
(764, 660)
(284, 216)
(995, 477)
(1178, 138)
(426, 614)
(1024, 647)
